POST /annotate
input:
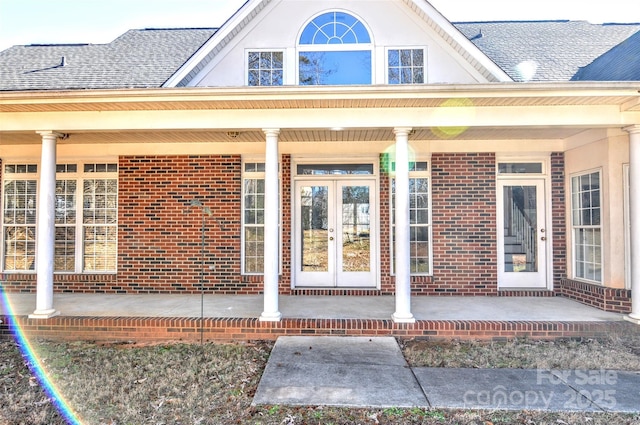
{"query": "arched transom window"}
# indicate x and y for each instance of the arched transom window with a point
(334, 49)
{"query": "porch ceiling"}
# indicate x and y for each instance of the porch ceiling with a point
(299, 136)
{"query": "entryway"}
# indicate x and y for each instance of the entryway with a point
(335, 232)
(522, 234)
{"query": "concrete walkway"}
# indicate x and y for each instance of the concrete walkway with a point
(319, 307)
(372, 372)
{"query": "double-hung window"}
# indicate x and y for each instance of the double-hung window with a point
(587, 227)
(419, 218)
(99, 217)
(86, 217)
(405, 66)
(253, 218)
(19, 216)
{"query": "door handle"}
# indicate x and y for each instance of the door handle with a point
(543, 238)
(331, 238)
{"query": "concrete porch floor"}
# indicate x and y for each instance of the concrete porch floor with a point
(548, 309)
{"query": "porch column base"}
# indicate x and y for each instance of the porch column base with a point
(400, 318)
(44, 314)
(632, 318)
(270, 317)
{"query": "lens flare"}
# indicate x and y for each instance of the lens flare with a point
(35, 365)
(460, 110)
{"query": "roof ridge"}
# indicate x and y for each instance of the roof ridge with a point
(57, 44)
(504, 21)
(177, 28)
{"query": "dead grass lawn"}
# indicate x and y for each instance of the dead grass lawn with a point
(215, 383)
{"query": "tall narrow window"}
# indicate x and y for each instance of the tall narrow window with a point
(19, 224)
(66, 223)
(587, 230)
(335, 49)
(265, 68)
(253, 217)
(406, 66)
(100, 221)
(419, 218)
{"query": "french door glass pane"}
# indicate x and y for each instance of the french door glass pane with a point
(356, 245)
(314, 221)
(520, 232)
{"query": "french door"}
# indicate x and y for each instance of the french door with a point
(335, 235)
(522, 234)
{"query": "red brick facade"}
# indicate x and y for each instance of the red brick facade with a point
(143, 329)
(616, 300)
(464, 223)
(160, 238)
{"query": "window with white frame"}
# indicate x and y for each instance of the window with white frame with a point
(253, 218)
(20, 183)
(587, 228)
(335, 49)
(86, 217)
(419, 218)
(405, 66)
(265, 68)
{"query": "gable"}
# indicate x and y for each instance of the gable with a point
(393, 24)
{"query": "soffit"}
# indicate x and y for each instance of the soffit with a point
(624, 95)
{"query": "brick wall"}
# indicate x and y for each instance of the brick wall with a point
(464, 224)
(160, 236)
(287, 231)
(558, 218)
(155, 329)
(616, 300)
(387, 281)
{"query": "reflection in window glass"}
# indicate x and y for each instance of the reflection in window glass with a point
(356, 229)
(328, 169)
(265, 68)
(86, 218)
(420, 226)
(65, 233)
(100, 219)
(587, 243)
(520, 168)
(335, 52)
(406, 66)
(19, 224)
(335, 28)
(335, 68)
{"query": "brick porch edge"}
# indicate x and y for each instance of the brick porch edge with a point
(158, 329)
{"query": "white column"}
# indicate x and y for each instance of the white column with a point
(634, 217)
(46, 228)
(402, 247)
(271, 312)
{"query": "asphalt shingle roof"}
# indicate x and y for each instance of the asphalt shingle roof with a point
(621, 63)
(137, 59)
(527, 51)
(546, 50)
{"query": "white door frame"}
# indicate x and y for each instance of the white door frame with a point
(542, 279)
(334, 277)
